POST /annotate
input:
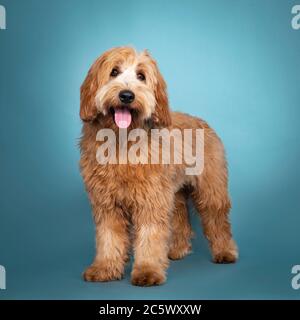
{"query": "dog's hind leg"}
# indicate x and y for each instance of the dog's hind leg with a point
(210, 196)
(216, 225)
(180, 244)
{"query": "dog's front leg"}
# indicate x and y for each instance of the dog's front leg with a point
(152, 231)
(112, 241)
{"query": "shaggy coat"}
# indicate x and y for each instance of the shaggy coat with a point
(143, 206)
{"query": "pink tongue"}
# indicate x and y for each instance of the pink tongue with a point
(122, 118)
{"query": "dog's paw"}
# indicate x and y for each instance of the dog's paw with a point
(177, 253)
(146, 276)
(228, 255)
(101, 273)
(225, 257)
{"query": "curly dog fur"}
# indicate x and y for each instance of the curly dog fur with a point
(143, 206)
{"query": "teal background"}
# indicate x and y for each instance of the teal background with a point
(233, 63)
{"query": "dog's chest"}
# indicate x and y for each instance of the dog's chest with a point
(127, 184)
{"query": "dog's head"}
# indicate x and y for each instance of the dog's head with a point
(126, 88)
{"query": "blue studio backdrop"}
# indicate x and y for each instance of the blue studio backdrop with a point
(234, 63)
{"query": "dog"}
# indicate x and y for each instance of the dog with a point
(143, 207)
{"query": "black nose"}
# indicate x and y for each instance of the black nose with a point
(126, 96)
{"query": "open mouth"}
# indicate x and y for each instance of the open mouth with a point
(122, 116)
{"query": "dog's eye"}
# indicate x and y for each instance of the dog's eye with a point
(114, 72)
(141, 76)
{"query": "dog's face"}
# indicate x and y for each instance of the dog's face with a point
(126, 89)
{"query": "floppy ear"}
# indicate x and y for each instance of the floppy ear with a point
(88, 90)
(162, 115)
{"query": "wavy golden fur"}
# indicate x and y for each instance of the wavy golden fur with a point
(143, 206)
